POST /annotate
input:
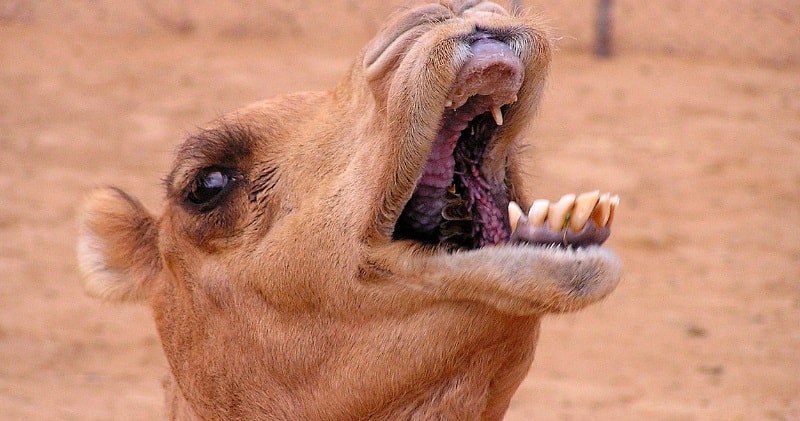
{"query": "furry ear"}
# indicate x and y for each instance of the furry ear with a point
(117, 246)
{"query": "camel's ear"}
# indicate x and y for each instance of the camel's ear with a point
(117, 246)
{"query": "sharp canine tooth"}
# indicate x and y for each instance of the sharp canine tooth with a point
(584, 205)
(449, 103)
(514, 215)
(497, 113)
(538, 212)
(559, 212)
(601, 211)
(614, 202)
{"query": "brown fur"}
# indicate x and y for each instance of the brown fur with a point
(290, 300)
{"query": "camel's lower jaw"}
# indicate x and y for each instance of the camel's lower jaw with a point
(553, 261)
(520, 279)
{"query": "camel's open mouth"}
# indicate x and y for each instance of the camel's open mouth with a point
(456, 204)
(453, 203)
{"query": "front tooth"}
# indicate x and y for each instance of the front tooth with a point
(614, 202)
(584, 205)
(559, 212)
(538, 212)
(514, 215)
(601, 211)
(497, 113)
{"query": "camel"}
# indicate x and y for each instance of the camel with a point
(363, 252)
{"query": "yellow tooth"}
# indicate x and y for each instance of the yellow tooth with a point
(497, 113)
(584, 205)
(614, 202)
(514, 214)
(601, 211)
(560, 211)
(538, 212)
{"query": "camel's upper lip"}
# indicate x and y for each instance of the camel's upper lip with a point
(494, 70)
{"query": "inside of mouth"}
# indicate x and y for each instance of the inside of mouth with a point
(454, 205)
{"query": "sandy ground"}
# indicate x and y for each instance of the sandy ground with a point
(705, 155)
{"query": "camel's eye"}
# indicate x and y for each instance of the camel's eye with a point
(209, 185)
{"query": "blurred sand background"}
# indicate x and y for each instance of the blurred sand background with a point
(695, 122)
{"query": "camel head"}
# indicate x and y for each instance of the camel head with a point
(362, 252)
